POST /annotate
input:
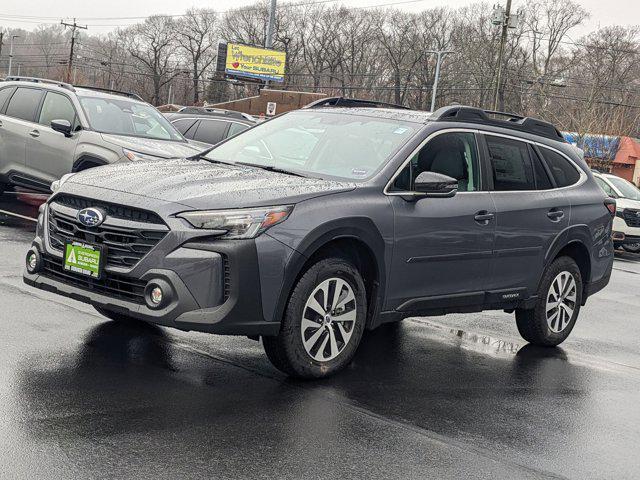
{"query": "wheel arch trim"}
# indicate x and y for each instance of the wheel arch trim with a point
(359, 229)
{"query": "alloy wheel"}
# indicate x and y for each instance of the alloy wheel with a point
(561, 301)
(328, 319)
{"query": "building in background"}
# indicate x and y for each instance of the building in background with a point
(626, 163)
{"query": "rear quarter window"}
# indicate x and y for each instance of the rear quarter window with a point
(563, 171)
(5, 93)
(184, 125)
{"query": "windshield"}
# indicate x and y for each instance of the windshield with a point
(319, 144)
(626, 188)
(124, 117)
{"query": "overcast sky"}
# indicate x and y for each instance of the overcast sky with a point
(28, 13)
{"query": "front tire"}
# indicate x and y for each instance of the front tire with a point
(323, 321)
(556, 310)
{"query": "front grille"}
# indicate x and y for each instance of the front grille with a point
(113, 210)
(631, 217)
(126, 240)
(113, 285)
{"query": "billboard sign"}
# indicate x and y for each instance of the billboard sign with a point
(244, 61)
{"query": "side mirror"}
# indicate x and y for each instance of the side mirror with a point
(62, 126)
(432, 184)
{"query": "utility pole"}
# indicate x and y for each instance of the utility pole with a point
(73, 26)
(503, 41)
(1, 37)
(434, 90)
(11, 53)
(268, 42)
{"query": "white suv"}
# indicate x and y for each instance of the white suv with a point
(626, 224)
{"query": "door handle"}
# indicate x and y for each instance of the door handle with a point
(483, 217)
(555, 214)
(34, 133)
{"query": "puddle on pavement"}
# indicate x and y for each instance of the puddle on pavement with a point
(470, 340)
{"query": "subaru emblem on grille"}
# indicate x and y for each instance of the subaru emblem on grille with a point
(91, 217)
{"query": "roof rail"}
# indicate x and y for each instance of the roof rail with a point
(351, 103)
(460, 113)
(215, 111)
(17, 78)
(109, 90)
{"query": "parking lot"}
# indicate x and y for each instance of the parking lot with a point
(454, 396)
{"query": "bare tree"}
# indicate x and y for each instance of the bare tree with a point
(197, 36)
(153, 45)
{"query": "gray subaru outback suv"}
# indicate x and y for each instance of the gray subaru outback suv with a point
(49, 129)
(323, 222)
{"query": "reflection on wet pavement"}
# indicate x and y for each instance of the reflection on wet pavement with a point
(452, 397)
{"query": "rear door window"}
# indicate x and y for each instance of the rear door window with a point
(24, 103)
(57, 107)
(563, 171)
(211, 131)
(511, 165)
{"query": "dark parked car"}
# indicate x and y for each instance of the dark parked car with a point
(323, 222)
(209, 125)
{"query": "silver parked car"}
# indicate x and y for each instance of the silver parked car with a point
(49, 128)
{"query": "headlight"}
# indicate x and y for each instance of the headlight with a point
(241, 223)
(55, 186)
(131, 155)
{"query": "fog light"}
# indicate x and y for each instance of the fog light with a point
(33, 261)
(156, 295)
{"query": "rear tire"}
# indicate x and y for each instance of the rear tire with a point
(557, 308)
(117, 317)
(323, 321)
(632, 248)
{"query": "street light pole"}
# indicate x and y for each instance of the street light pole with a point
(11, 53)
(434, 90)
(271, 25)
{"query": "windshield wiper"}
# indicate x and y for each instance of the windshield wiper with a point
(202, 154)
(271, 169)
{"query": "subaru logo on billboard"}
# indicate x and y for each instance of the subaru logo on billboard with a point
(91, 217)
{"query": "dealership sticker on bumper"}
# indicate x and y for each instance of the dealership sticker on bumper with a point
(83, 258)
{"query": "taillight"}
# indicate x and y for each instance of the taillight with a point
(610, 203)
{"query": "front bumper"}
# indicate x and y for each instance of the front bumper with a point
(214, 284)
(624, 234)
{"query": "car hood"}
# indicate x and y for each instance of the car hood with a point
(157, 148)
(205, 185)
(627, 203)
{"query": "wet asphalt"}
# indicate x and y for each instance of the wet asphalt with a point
(460, 396)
